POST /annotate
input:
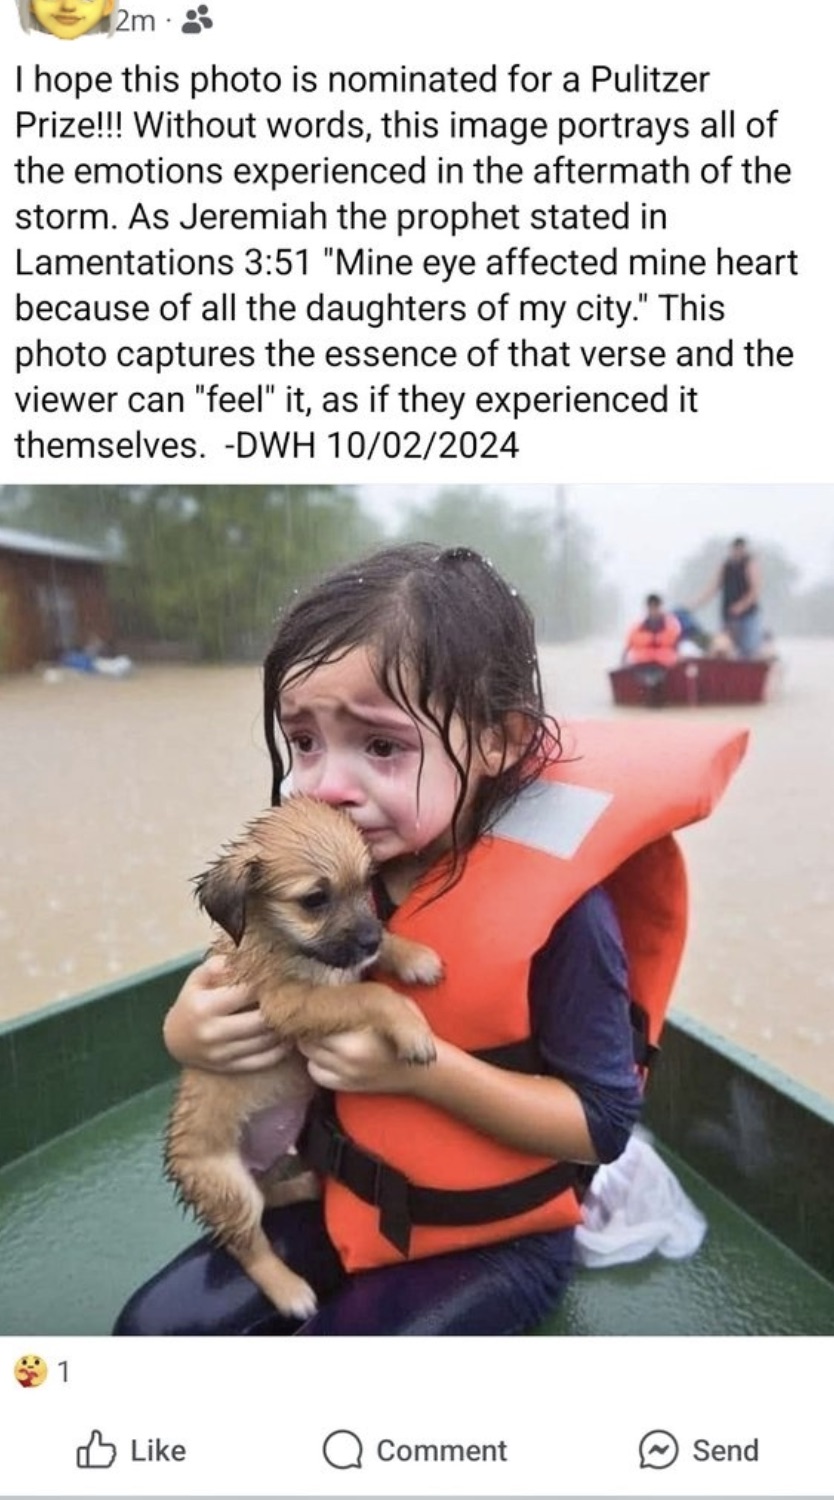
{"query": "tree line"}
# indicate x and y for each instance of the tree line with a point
(209, 567)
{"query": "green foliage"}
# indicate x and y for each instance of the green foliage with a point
(213, 564)
(207, 566)
(210, 565)
(87, 514)
(549, 556)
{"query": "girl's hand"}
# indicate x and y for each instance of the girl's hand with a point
(530, 1113)
(360, 1062)
(217, 1026)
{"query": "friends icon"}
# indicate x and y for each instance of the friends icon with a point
(197, 21)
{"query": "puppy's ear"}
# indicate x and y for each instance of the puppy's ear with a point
(222, 891)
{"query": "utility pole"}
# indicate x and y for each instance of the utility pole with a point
(564, 581)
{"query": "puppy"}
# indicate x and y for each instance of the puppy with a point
(293, 899)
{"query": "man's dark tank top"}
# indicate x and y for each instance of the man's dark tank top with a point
(734, 585)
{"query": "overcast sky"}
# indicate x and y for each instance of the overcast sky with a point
(644, 531)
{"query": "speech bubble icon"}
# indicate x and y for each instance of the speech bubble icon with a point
(342, 1449)
(658, 1449)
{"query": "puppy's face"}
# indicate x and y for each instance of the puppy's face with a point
(299, 880)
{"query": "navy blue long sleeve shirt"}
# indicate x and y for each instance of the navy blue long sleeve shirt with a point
(579, 1016)
(579, 1012)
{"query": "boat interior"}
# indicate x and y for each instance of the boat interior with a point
(86, 1214)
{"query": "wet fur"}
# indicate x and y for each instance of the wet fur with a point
(293, 899)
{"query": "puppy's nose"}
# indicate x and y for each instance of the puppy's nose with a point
(368, 934)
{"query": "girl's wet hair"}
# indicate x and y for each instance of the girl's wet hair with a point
(448, 640)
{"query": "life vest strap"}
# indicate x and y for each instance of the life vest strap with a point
(402, 1204)
(524, 1057)
(516, 1057)
(645, 1051)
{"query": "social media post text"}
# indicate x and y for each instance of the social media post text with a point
(351, 260)
(284, 291)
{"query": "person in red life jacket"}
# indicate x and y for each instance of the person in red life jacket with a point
(654, 639)
(738, 584)
(539, 861)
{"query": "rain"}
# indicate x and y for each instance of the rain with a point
(119, 786)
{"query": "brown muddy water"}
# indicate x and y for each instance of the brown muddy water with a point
(113, 794)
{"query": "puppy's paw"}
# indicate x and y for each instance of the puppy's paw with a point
(420, 965)
(296, 1297)
(416, 1047)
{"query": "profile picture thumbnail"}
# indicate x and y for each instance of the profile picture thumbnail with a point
(68, 19)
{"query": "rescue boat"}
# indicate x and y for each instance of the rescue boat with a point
(692, 682)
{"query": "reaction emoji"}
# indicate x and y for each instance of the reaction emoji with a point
(70, 18)
(30, 1370)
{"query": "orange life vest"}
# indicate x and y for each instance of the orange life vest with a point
(422, 1181)
(644, 645)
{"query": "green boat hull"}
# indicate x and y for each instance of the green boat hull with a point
(86, 1215)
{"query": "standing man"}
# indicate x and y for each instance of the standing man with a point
(738, 581)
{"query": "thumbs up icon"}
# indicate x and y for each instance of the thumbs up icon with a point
(96, 1454)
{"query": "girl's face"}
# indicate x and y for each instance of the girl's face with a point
(354, 747)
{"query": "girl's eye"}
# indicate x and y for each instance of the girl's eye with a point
(382, 749)
(303, 743)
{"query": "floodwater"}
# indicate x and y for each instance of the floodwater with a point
(114, 793)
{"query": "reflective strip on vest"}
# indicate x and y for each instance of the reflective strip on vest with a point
(552, 817)
(605, 814)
